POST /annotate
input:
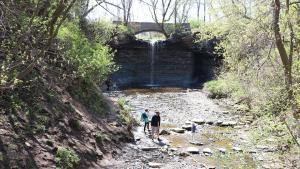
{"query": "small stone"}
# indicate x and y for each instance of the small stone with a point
(207, 151)
(99, 154)
(225, 112)
(173, 149)
(154, 165)
(211, 167)
(28, 144)
(252, 151)
(178, 130)
(222, 150)
(237, 149)
(219, 122)
(192, 150)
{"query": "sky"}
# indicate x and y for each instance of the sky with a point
(140, 12)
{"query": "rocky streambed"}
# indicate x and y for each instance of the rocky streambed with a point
(222, 139)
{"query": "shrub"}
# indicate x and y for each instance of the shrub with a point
(124, 115)
(66, 158)
(92, 61)
(98, 138)
(74, 124)
(227, 85)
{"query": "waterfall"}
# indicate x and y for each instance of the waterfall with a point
(153, 44)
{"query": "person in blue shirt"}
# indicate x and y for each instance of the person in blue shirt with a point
(145, 119)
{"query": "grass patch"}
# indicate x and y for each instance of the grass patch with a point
(99, 138)
(87, 94)
(66, 158)
(225, 86)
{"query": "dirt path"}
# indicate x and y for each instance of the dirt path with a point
(223, 138)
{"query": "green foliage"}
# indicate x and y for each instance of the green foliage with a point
(124, 115)
(93, 61)
(195, 24)
(105, 31)
(66, 158)
(99, 138)
(226, 86)
(271, 130)
(74, 124)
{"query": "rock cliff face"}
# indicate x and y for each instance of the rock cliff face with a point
(166, 63)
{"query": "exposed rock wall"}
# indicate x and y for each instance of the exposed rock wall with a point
(174, 65)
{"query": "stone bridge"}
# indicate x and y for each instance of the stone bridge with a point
(140, 27)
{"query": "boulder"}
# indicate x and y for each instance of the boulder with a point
(192, 150)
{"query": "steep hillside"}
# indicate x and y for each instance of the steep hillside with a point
(59, 128)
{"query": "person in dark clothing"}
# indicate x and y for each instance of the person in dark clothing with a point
(155, 125)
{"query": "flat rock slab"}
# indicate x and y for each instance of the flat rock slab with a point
(178, 130)
(196, 143)
(164, 132)
(187, 127)
(154, 165)
(149, 148)
(237, 149)
(198, 121)
(229, 124)
(192, 150)
(210, 122)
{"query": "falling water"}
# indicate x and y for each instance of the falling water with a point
(152, 62)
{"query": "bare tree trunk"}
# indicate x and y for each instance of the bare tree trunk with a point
(286, 60)
(198, 9)
(204, 10)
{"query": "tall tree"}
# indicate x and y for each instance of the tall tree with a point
(161, 12)
(126, 8)
(286, 58)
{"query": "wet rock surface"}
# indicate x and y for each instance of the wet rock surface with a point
(217, 144)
